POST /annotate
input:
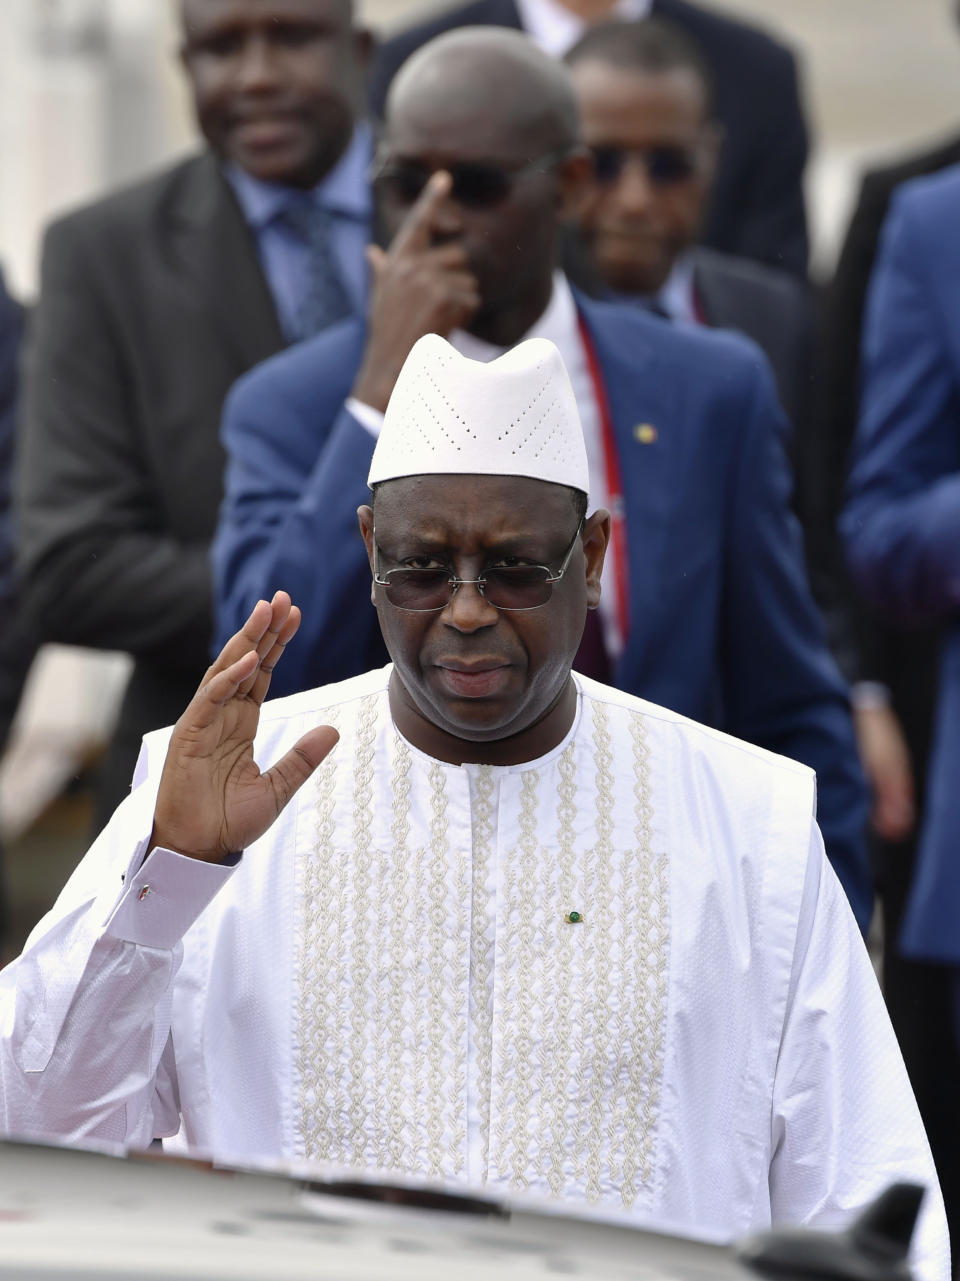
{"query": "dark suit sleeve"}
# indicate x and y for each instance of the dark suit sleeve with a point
(902, 522)
(296, 474)
(17, 645)
(98, 568)
(781, 688)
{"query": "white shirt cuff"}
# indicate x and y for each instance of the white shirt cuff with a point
(366, 416)
(867, 695)
(163, 898)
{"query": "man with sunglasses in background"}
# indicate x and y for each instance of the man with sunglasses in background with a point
(645, 99)
(645, 96)
(757, 206)
(497, 935)
(705, 607)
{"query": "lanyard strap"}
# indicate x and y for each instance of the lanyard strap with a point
(611, 464)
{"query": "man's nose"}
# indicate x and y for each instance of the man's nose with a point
(634, 190)
(258, 65)
(468, 610)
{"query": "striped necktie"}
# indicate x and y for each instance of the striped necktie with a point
(325, 298)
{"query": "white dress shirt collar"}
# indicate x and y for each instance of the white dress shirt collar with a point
(553, 27)
(676, 296)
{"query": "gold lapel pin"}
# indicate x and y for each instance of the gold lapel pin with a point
(574, 918)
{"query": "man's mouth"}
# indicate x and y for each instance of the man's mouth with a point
(477, 679)
(266, 131)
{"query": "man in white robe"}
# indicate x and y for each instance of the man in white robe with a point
(517, 929)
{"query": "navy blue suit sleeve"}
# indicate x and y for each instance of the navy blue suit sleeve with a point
(780, 686)
(296, 473)
(902, 521)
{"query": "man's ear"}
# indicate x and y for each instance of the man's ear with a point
(714, 136)
(596, 537)
(365, 520)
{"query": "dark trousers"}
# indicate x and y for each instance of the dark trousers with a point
(924, 1004)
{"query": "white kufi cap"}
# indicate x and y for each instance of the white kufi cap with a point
(515, 416)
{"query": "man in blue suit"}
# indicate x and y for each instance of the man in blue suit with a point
(902, 520)
(756, 207)
(706, 607)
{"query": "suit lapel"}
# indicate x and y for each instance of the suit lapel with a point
(645, 415)
(504, 13)
(709, 296)
(218, 253)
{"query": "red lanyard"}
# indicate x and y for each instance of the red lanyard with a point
(611, 463)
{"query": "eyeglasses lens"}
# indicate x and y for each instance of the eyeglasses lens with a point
(476, 186)
(512, 587)
(480, 186)
(664, 165)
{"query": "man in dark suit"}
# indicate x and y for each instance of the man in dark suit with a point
(706, 607)
(757, 208)
(902, 531)
(644, 95)
(17, 644)
(648, 118)
(152, 303)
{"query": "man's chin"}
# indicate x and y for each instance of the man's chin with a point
(633, 274)
(290, 163)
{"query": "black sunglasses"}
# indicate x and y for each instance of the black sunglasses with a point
(476, 184)
(515, 587)
(664, 165)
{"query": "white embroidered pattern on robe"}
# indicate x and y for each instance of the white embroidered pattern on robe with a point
(580, 1009)
(568, 1028)
(484, 829)
(381, 1063)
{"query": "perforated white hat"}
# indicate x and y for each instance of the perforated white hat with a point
(515, 416)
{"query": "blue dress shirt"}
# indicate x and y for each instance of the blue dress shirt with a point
(345, 194)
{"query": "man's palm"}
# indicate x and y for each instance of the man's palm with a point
(213, 800)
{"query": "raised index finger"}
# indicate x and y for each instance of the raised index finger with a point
(414, 233)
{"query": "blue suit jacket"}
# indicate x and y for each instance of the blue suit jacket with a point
(902, 520)
(723, 627)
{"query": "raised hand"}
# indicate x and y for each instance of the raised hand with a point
(419, 287)
(213, 801)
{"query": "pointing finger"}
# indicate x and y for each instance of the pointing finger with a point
(414, 234)
(377, 259)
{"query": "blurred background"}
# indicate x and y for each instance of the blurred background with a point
(91, 96)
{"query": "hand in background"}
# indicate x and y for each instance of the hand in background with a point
(213, 800)
(886, 761)
(419, 287)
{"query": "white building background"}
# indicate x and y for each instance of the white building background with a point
(90, 96)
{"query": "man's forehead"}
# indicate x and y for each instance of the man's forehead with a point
(217, 13)
(471, 508)
(644, 96)
(461, 133)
